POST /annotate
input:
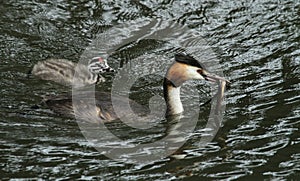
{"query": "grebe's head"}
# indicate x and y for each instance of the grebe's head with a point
(99, 65)
(187, 68)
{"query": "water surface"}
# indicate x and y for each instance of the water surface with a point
(258, 47)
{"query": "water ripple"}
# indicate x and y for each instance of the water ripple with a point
(259, 50)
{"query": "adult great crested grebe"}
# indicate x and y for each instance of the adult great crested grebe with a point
(62, 71)
(183, 69)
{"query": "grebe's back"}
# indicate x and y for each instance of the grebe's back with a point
(92, 106)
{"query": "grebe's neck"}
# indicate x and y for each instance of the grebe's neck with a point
(172, 98)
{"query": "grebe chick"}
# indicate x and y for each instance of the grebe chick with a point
(183, 69)
(62, 71)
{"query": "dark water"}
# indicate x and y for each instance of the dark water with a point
(258, 45)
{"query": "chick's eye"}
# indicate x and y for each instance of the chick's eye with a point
(101, 60)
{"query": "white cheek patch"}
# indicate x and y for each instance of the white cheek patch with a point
(191, 73)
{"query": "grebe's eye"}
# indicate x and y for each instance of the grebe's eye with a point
(200, 71)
